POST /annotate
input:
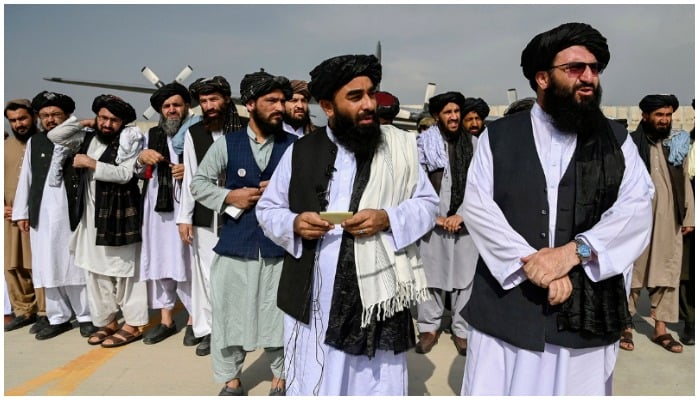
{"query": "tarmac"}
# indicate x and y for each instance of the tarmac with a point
(67, 366)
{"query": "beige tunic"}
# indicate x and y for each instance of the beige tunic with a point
(17, 250)
(660, 264)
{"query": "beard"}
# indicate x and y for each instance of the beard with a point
(294, 122)
(23, 137)
(216, 122)
(447, 134)
(266, 127)
(654, 133)
(567, 114)
(362, 141)
(106, 138)
(170, 126)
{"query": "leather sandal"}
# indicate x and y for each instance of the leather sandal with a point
(126, 338)
(100, 336)
(668, 342)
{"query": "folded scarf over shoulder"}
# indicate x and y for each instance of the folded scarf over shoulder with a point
(389, 281)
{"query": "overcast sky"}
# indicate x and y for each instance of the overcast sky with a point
(474, 49)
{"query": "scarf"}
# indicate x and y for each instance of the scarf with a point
(459, 164)
(158, 141)
(599, 308)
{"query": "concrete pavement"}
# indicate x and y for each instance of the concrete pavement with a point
(68, 366)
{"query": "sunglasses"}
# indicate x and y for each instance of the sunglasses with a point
(576, 69)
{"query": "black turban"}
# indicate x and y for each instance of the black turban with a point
(542, 49)
(387, 105)
(261, 83)
(116, 106)
(475, 104)
(520, 105)
(655, 101)
(334, 73)
(438, 102)
(48, 99)
(165, 92)
(217, 84)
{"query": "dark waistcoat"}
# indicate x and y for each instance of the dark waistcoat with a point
(42, 153)
(202, 140)
(522, 315)
(243, 237)
(313, 157)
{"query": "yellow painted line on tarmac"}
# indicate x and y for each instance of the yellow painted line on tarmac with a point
(66, 379)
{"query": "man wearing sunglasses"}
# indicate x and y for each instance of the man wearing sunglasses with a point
(559, 207)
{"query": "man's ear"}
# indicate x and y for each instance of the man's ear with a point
(542, 79)
(327, 107)
(250, 105)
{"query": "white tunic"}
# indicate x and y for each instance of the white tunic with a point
(53, 264)
(163, 253)
(312, 367)
(616, 240)
(118, 261)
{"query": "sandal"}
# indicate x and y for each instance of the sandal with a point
(668, 342)
(101, 334)
(626, 340)
(126, 338)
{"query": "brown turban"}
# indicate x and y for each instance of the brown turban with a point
(261, 83)
(332, 74)
(47, 99)
(167, 91)
(301, 87)
(116, 106)
(542, 49)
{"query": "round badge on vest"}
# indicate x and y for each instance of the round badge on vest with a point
(241, 172)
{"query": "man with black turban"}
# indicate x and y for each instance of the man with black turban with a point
(44, 209)
(296, 115)
(196, 223)
(445, 151)
(559, 206)
(107, 227)
(247, 265)
(474, 113)
(658, 269)
(25, 299)
(348, 203)
(165, 259)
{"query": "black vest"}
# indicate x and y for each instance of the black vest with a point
(313, 157)
(42, 153)
(202, 140)
(522, 316)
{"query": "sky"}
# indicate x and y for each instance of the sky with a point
(474, 49)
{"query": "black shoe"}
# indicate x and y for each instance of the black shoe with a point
(87, 329)
(160, 333)
(41, 323)
(204, 347)
(227, 391)
(278, 391)
(53, 330)
(18, 322)
(190, 339)
(688, 337)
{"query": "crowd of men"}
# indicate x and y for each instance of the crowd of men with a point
(534, 236)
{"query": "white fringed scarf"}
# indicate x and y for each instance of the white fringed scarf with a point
(389, 281)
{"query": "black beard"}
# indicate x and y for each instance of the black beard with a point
(449, 136)
(23, 137)
(296, 123)
(656, 134)
(170, 126)
(267, 128)
(214, 124)
(568, 115)
(363, 142)
(106, 138)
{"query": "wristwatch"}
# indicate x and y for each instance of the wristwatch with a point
(583, 250)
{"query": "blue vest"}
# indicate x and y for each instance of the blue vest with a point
(243, 237)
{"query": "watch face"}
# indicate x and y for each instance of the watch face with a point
(583, 250)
